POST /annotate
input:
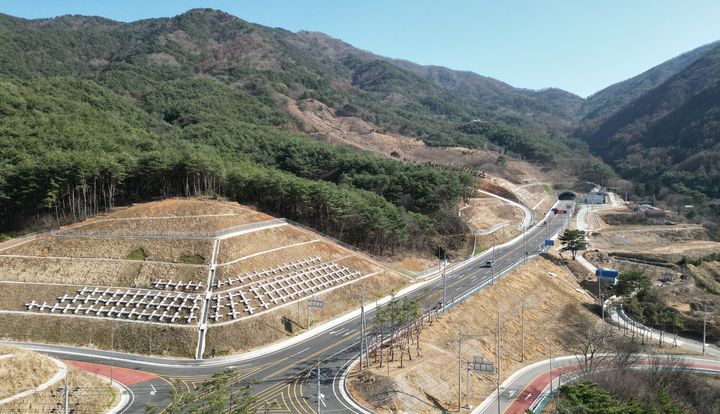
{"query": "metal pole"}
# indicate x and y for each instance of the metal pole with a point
(459, 367)
(308, 314)
(474, 245)
(522, 332)
(66, 403)
(493, 237)
(704, 325)
(112, 351)
(467, 386)
(318, 387)
(497, 344)
(525, 243)
(444, 290)
(602, 308)
(551, 384)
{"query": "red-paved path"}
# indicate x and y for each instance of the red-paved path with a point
(122, 375)
(528, 396)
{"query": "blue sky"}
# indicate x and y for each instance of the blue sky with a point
(578, 45)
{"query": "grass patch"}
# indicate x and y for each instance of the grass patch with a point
(547, 189)
(192, 259)
(137, 254)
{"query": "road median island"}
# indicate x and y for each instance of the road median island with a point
(31, 382)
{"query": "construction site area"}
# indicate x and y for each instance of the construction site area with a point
(182, 277)
(680, 259)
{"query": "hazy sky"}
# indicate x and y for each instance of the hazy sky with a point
(578, 45)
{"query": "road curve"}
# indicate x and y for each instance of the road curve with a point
(285, 373)
(530, 386)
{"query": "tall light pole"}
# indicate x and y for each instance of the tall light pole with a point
(551, 379)
(318, 387)
(525, 243)
(704, 325)
(522, 331)
(444, 301)
(492, 267)
(497, 355)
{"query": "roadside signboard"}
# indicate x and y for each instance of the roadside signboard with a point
(480, 364)
(315, 303)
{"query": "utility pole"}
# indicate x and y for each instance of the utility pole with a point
(66, 399)
(462, 335)
(551, 384)
(525, 243)
(522, 332)
(704, 325)
(444, 276)
(602, 308)
(497, 365)
(363, 340)
(459, 367)
(318, 387)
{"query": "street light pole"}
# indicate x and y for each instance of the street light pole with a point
(497, 345)
(522, 332)
(704, 325)
(444, 301)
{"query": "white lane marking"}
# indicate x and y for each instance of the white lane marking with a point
(528, 396)
(153, 391)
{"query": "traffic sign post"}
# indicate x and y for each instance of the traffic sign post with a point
(313, 303)
(478, 364)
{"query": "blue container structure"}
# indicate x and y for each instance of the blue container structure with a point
(607, 276)
(606, 272)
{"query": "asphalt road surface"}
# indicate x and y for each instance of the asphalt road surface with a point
(285, 380)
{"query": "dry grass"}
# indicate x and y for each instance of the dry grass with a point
(326, 251)
(268, 328)
(26, 370)
(552, 303)
(94, 333)
(96, 272)
(485, 213)
(86, 393)
(262, 240)
(112, 248)
(182, 207)
(15, 296)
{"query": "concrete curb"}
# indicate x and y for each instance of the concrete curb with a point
(59, 375)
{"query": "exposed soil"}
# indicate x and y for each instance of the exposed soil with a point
(552, 302)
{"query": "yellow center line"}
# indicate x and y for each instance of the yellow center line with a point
(301, 399)
(284, 401)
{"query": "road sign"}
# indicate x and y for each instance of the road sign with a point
(480, 364)
(316, 303)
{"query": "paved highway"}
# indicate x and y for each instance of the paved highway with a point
(285, 378)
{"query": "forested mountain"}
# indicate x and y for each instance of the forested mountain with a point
(549, 110)
(605, 102)
(95, 112)
(668, 138)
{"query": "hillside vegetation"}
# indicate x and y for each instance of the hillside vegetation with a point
(665, 139)
(95, 112)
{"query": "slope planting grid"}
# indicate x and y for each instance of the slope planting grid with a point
(292, 281)
(130, 304)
